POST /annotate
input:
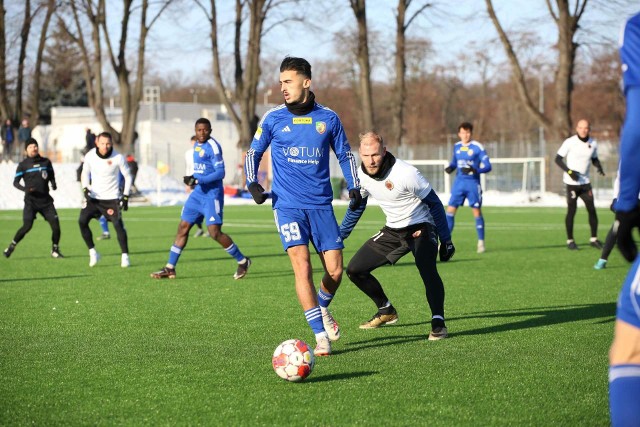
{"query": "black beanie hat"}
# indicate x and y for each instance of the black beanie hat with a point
(30, 141)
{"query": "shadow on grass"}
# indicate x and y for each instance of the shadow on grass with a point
(34, 279)
(544, 316)
(344, 376)
(600, 313)
(381, 341)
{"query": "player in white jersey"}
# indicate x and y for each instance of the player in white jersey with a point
(188, 171)
(415, 221)
(580, 151)
(100, 184)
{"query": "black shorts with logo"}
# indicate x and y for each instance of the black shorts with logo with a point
(95, 208)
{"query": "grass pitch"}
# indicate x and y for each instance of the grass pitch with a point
(530, 325)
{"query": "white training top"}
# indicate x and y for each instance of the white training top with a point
(578, 156)
(188, 162)
(101, 176)
(400, 195)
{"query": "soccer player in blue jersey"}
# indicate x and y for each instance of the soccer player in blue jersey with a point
(470, 159)
(624, 356)
(206, 201)
(301, 133)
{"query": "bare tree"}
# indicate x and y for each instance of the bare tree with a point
(365, 94)
(24, 40)
(246, 77)
(5, 107)
(399, 93)
(130, 92)
(566, 19)
(34, 104)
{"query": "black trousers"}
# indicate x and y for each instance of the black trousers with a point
(43, 206)
(584, 192)
(94, 208)
(387, 247)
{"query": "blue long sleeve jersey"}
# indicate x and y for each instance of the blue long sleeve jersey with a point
(473, 155)
(629, 153)
(208, 167)
(300, 156)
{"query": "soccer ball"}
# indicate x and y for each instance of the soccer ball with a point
(293, 360)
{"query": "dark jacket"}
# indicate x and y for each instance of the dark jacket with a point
(36, 172)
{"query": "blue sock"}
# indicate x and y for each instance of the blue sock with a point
(174, 255)
(314, 319)
(624, 395)
(234, 251)
(480, 227)
(450, 221)
(104, 224)
(324, 298)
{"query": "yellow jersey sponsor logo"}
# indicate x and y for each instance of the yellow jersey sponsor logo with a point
(302, 120)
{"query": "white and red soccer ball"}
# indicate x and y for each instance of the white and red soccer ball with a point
(293, 360)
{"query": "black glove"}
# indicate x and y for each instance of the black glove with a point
(189, 180)
(575, 175)
(356, 199)
(54, 187)
(601, 171)
(449, 169)
(613, 205)
(468, 170)
(626, 222)
(446, 251)
(257, 192)
(124, 203)
(86, 192)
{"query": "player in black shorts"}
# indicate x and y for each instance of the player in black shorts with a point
(36, 172)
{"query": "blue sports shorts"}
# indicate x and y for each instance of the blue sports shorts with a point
(199, 206)
(301, 226)
(629, 299)
(466, 189)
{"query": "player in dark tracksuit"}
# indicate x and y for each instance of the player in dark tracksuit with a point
(36, 172)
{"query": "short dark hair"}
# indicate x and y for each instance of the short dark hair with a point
(203, 121)
(30, 141)
(299, 65)
(466, 126)
(105, 135)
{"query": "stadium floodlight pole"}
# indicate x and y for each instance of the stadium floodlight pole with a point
(541, 141)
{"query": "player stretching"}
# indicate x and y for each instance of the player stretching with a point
(37, 173)
(301, 132)
(580, 150)
(415, 220)
(100, 184)
(471, 160)
(624, 356)
(205, 201)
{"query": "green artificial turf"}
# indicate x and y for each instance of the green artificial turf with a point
(530, 325)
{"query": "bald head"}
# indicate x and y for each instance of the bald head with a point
(582, 128)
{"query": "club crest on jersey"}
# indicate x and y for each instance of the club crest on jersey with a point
(321, 127)
(110, 212)
(201, 153)
(44, 174)
(470, 152)
(389, 185)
